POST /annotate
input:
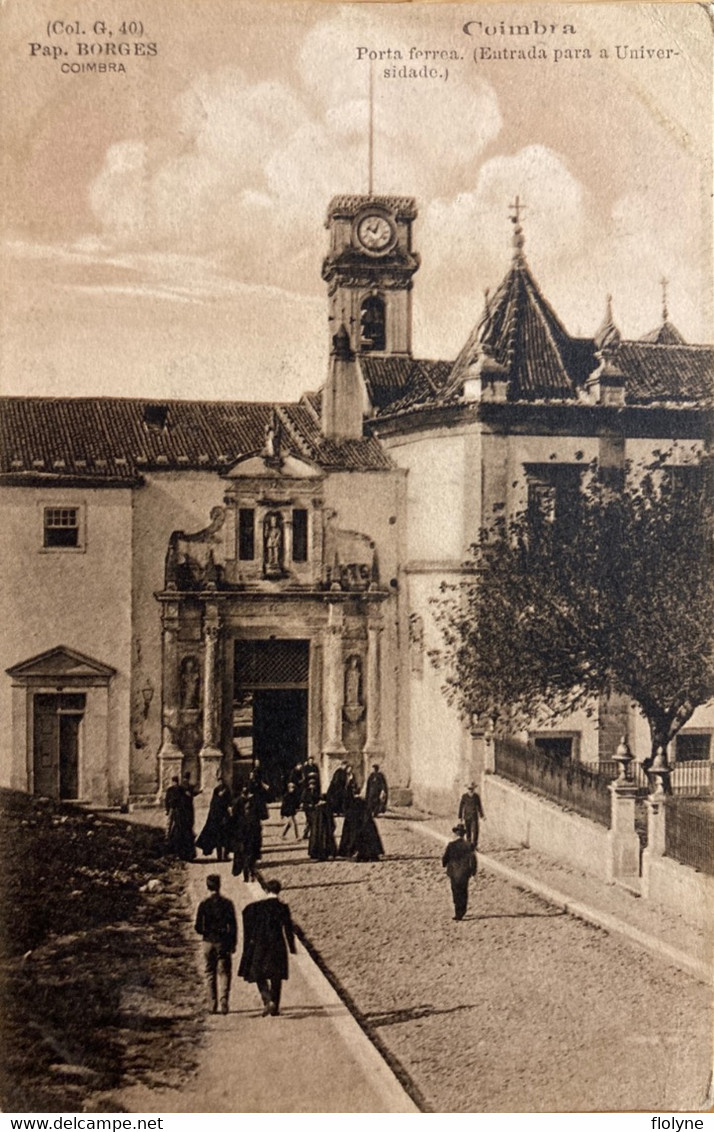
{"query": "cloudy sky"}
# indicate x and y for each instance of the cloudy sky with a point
(164, 227)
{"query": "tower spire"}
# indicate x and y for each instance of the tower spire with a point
(370, 147)
(518, 237)
(664, 283)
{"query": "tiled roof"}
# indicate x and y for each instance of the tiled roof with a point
(658, 372)
(541, 361)
(396, 382)
(349, 204)
(109, 438)
(522, 333)
(664, 335)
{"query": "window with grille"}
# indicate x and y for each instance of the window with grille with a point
(246, 534)
(299, 535)
(61, 527)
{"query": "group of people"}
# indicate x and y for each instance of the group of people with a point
(459, 857)
(234, 822)
(234, 825)
(268, 935)
(359, 837)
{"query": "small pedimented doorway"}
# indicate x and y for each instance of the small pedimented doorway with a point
(60, 726)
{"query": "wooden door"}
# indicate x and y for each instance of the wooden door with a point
(58, 720)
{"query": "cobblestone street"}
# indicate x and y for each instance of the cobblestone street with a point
(520, 1007)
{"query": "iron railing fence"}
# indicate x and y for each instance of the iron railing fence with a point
(690, 780)
(573, 785)
(689, 833)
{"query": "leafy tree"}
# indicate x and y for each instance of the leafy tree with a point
(612, 594)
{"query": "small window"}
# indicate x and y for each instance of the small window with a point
(299, 535)
(555, 747)
(693, 747)
(61, 527)
(246, 534)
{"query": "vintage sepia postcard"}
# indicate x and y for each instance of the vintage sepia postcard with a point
(357, 683)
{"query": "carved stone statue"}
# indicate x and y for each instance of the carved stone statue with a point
(190, 683)
(273, 544)
(353, 706)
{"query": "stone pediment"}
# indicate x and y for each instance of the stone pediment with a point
(257, 465)
(61, 663)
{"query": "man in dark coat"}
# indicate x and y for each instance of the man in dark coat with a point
(310, 791)
(216, 922)
(246, 836)
(215, 833)
(376, 792)
(267, 935)
(459, 860)
(470, 810)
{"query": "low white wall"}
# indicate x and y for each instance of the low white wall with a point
(539, 824)
(679, 889)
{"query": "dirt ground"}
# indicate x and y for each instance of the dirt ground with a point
(519, 1008)
(94, 988)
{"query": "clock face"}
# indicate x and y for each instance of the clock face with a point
(375, 232)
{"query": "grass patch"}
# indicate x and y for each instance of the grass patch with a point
(98, 971)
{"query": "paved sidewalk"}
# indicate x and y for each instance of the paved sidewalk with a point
(609, 906)
(312, 1058)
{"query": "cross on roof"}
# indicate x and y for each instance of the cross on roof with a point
(517, 208)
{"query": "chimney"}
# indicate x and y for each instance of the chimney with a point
(344, 397)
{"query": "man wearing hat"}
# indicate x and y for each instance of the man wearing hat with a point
(216, 922)
(470, 810)
(459, 860)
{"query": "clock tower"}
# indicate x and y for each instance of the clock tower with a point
(368, 271)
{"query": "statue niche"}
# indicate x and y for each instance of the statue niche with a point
(273, 545)
(190, 682)
(195, 561)
(353, 707)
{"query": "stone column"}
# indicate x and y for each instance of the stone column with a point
(170, 755)
(656, 820)
(373, 749)
(332, 690)
(624, 859)
(210, 756)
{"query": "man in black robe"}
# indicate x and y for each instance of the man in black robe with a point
(216, 831)
(459, 860)
(179, 806)
(322, 833)
(267, 935)
(337, 790)
(376, 792)
(216, 923)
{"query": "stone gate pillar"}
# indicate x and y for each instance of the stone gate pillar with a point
(170, 755)
(332, 689)
(624, 862)
(373, 749)
(211, 756)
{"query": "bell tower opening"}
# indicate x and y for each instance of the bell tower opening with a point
(369, 269)
(372, 324)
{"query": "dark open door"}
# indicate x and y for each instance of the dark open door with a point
(57, 720)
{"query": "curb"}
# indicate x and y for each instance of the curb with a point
(700, 971)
